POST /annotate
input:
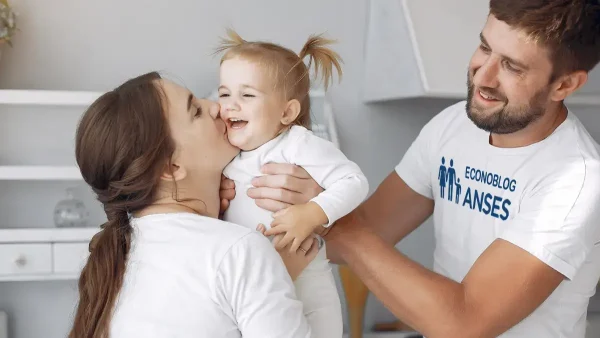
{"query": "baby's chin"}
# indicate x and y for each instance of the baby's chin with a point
(246, 142)
(240, 142)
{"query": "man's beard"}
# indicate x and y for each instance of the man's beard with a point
(508, 119)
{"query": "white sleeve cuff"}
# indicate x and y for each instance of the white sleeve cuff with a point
(536, 248)
(328, 209)
(412, 181)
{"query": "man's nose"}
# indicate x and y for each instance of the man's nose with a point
(487, 74)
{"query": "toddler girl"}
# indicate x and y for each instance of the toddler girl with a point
(265, 103)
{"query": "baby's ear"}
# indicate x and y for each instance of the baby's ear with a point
(291, 112)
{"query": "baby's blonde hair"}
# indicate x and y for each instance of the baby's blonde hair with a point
(290, 74)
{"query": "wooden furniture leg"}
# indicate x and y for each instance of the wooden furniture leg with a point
(356, 298)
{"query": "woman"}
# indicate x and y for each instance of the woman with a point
(164, 265)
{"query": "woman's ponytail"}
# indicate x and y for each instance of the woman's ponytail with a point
(102, 276)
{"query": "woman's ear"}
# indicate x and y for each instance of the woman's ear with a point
(173, 172)
(291, 112)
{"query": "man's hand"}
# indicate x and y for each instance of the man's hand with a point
(283, 185)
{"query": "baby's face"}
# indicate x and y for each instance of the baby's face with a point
(251, 108)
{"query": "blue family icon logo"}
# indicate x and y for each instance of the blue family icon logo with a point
(448, 178)
(490, 204)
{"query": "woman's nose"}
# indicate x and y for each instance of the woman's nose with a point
(215, 110)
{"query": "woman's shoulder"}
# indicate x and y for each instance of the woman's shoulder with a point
(204, 241)
(189, 228)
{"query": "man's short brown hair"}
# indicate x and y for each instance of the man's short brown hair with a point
(570, 29)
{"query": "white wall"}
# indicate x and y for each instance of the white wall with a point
(95, 45)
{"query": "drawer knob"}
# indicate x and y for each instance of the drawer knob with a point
(21, 261)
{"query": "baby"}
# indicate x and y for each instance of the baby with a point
(265, 103)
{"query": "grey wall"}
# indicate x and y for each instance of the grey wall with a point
(94, 45)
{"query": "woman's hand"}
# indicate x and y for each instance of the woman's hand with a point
(226, 194)
(282, 185)
(295, 262)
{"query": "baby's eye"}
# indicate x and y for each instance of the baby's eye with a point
(223, 95)
(248, 95)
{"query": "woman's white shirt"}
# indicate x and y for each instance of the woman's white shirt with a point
(194, 276)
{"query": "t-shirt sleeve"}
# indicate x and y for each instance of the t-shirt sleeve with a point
(558, 220)
(345, 184)
(415, 167)
(254, 285)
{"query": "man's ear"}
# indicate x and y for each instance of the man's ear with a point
(568, 84)
(173, 172)
(291, 112)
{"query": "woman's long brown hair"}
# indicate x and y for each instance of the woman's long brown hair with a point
(122, 147)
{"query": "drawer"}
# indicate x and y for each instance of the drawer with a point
(25, 259)
(69, 258)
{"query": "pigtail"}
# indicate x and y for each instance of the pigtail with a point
(287, 70)
(323, 58)
(232, 40)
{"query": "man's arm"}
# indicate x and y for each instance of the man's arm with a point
(393, 211)
(504, 285)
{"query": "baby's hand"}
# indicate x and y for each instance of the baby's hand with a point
(297, 222)
(295, 262)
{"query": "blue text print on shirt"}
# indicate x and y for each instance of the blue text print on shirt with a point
(482, 201)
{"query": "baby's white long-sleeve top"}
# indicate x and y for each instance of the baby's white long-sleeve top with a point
(344, 183)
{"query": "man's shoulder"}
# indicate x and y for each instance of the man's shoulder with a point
(456, 110)
(585, 151)
(451, 117)
(582, 141)
(571, 145)
(568, 164)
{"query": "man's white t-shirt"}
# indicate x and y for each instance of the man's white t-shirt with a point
(544, 198)
(194, 276)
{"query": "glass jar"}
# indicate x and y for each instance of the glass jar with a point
(70, 212)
